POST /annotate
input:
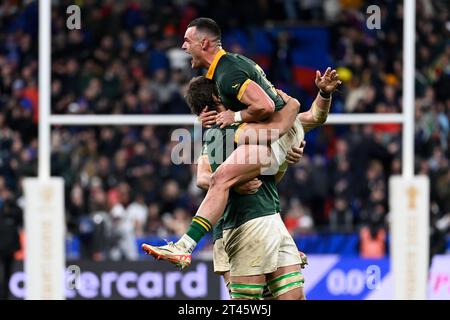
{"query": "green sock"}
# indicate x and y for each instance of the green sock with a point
(199, 227)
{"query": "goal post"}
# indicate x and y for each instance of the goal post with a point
(409, 198)
(181, 119)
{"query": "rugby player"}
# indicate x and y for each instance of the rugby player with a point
(247, 280)
(242, 85)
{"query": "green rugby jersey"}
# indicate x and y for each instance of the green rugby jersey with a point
(240, 208)
(232, 73)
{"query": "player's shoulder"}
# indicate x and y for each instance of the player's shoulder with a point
(230, 70)
(228, 62)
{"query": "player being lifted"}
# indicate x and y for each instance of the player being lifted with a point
(243, 86)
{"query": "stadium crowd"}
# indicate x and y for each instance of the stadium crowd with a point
(120, 181)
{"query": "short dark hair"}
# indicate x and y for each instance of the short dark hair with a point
(208, 25)
(200, 93)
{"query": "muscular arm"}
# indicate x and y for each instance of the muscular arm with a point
(260, 105)
(316, 115)
(265, 132)
(204, 173)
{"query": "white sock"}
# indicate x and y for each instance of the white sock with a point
(187, 243)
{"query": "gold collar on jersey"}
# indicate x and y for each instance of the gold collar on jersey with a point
(212, 67)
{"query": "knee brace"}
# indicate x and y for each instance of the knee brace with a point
(286, 283)
(246, 291)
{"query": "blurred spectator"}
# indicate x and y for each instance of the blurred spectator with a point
(178, 222)
(372, 242)
(137, 211)
(341, 217)
(123, 224)
(154, 222)
(10, 221)
(298, 219)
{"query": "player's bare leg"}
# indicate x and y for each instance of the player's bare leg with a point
(245, 163)
(227, 278)
(247, 287)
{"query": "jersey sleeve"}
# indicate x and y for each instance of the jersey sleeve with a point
(234, 83)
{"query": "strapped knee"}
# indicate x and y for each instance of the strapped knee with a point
(286, 283)
(246, 291)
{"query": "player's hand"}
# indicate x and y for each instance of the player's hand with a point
(207, 118)
(249, 187)
(296, 153)
(225, 118)
(329, 82)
